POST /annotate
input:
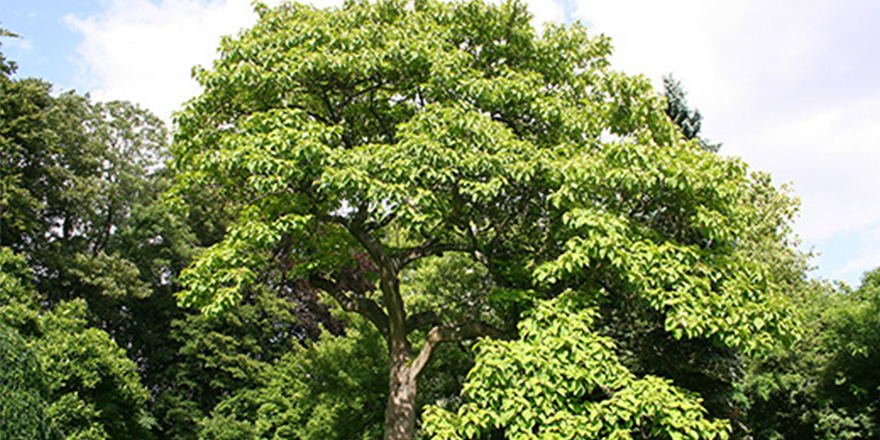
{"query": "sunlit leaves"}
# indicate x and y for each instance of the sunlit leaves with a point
(400, 131)
(562, 380)
(215, 281)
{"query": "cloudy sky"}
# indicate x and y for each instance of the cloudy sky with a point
(791, 86)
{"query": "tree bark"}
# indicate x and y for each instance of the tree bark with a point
(400, 414)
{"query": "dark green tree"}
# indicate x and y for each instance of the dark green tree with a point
(689, 121)
(826, 386)
(73, 380)
(313, 391)
(80, 201)
(221, 356)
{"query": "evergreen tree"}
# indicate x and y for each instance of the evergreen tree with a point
(689, 121)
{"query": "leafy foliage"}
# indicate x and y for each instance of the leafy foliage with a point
(563, 380)
(76, 382)
(357, 149)
(827, 385)
(23, 387)
(312, 392)
(221, 356)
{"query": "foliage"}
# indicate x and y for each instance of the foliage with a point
(314, 392)
(221, 356)
(827, 385)
(80, 383)
(563, 380)
(852, 344)
(689, 121)
(23, 387)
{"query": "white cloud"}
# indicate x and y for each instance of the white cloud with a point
(144, 52)
(788, 85)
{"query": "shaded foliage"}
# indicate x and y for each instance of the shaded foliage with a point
(827, 385)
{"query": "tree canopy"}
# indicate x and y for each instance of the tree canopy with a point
(410, 219)
(352, 145)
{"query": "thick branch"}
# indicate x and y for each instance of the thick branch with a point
(454, 333)
(422, 320)
(372, 226)
(388, 269)
(354, 303)
(408, 255)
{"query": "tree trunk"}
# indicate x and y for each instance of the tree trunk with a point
(400, 414)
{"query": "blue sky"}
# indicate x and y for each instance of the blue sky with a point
(791, 86)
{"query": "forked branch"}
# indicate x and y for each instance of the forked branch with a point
(455, 333)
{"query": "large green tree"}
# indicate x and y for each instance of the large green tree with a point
(352, 146)
(80, 186)
(827, 385)
(62, 379)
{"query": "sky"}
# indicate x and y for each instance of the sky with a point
(790, 86)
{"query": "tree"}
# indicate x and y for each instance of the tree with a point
(353, 145)
(827, 385)
(852, 341)
(80, 186)
(217, 357)
(75, 381)
(313, 392)
(689, 121)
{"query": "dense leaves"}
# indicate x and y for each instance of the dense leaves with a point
(827, 386)
(524, 243)
(562, 380)
(352, 146)
(64, 379)
(312, 392)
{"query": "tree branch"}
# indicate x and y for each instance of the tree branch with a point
(455, 333)
(408, 255)
(421, 320)
(372, 226)
(354, 303)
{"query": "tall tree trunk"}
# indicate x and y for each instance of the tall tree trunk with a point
(400, 414)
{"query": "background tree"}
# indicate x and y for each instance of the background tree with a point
(689, 121)
(826, 386)
(218, 357)
(313, 391)
(76, 381)
(353, 145)
(80, 203)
